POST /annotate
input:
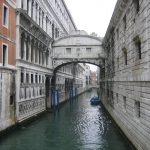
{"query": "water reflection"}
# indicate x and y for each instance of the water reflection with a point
(78, 126)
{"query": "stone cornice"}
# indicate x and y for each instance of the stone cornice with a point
(70, 36)
(119, 8)
(56, 17)
(70, 16)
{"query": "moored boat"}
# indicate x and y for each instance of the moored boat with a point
(95, 100)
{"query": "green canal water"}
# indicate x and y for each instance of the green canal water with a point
(77, 126)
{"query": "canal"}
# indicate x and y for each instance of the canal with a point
(78, 126)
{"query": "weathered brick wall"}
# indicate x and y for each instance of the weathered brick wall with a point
(8, 35)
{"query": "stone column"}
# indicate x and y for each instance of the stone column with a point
(33, 48)
(37, 15)
(29, 53)
(45, 59)
(38, 51)
(41, 19)
(25, 47)
(50, 29)
(44, 22)
(25, 4)
(34, 10)
(18, 43)
(19, 2)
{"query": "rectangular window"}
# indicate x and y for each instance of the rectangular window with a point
(68, 50)
(125, 56)
(39, 78)
(22, 77)
(5, 55)
(136, 5)
(27, 78)
(42, 79)
(124, 22)
(138, 47)
(137, 109)
(31, 78)
(116, 98)
(124, 102)
(88, 50)
(11, 100)
(5, 15)
(117, 33)
(137, 43)
(36, 79)
(118, 62)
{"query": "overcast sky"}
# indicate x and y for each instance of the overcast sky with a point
(91, 15)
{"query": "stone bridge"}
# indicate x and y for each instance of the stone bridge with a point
(78, 48)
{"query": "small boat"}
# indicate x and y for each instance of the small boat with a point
(95, 100)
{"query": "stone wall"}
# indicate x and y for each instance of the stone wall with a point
(125, 86)
(7, 98)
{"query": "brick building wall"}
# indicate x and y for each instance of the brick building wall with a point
(8, 32)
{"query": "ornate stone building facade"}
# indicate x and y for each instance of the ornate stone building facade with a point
(125, 81)
(28, 29)
(38, 24)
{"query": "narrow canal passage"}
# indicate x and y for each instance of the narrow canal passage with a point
(78, 126)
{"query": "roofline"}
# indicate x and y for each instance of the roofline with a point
(69, 36)
(118, 10)
(70, 16)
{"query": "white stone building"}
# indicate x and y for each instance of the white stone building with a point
(39, 24)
